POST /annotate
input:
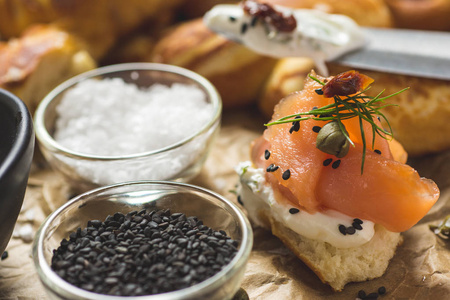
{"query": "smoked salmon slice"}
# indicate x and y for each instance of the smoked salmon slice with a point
(388, 192)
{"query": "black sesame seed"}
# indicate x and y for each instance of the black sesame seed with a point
(244, 27)
(253, 21)
(266, 154)
(336, 164)
(294, 211)
(272, 168)
(381, 290)
(359, 221)
(350, 230)
(314, 108)
(295, 127)
(342, 229)
(357, 226)
(327, 161)
(239, 200)
(361, 294)
(319, 91)
(377, 151)
(286, 174)
(316, 129)
(122, 262)
(232, 19)
(5, 255)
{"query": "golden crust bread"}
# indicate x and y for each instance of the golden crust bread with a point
(236, 72)
(31, 66)
(99, 23)
(421, 14)
(420, 121)
(287, 76)
(192, 9)
(372, 13)
(335, 266)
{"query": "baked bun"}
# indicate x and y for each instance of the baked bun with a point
(373, 13)
(237, 72)
(192, 9)
(31, 66)
(287, 76)
(421, 14)
(420, 119)
(337, 267)
(98, 23)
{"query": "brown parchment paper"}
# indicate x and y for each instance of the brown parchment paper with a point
(419, 270)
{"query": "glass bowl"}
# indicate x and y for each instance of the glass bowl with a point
(215, 211)
(180, 161)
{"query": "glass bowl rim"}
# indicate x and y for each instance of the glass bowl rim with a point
(50, 278)
(44, 137)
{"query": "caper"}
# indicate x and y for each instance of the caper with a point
(332, 140)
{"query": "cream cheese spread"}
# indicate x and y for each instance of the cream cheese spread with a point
(256, 195)
(317, 35)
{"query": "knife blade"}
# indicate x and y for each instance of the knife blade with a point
(403, 51)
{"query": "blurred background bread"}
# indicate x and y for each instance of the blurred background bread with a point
(43, 57)
(237, 72)
(98, 23)
(374, 13)
(420, 121)
(420, 14)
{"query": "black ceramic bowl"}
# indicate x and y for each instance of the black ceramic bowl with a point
(16, 154)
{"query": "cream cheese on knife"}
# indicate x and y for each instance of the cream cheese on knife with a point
(314, 34)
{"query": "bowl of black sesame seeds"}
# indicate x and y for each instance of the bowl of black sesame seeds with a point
(145, 240)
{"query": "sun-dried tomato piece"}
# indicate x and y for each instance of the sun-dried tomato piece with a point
(346, 83)
(267, 13)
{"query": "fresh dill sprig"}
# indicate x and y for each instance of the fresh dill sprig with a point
(359, 105)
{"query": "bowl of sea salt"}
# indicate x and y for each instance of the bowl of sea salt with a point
(128, 122)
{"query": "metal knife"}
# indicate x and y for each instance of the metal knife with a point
(402, 51)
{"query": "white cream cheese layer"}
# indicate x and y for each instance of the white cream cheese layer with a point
(256, 195)
(318, 35)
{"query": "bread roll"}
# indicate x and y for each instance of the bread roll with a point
(31, 66)
(335, 266)
(372, 13)
(421, 14)
(99, 23)
(420, 121)
(236, 72)
(192, 9)
(287, 77)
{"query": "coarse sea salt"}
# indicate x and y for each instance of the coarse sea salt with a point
(109, 117)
